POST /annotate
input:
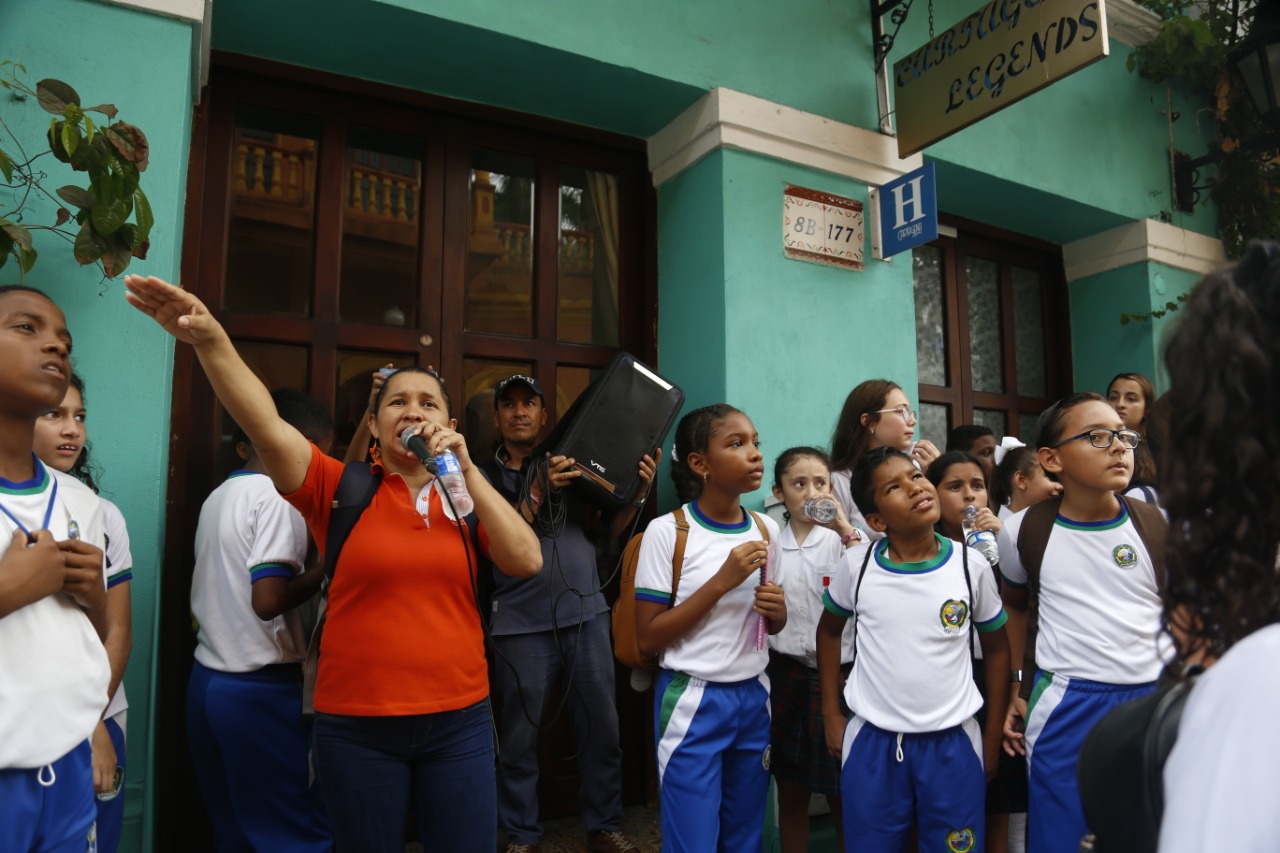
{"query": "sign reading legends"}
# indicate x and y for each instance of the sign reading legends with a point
(996, 56)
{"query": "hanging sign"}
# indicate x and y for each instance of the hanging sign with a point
(995, 57)
(822, 227)
(904, 213)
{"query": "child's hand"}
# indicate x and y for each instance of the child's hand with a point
(104, 760)
(1015, 742)
(924, 452)
(987, 520)
(744, 561)
(833, 728)
(84, 580)
(379, 379)
(176, 310)
(771, 602)
(33, 571)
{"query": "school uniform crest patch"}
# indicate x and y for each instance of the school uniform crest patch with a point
(1126, 556)
(953, 615)
(768, 754)
(961, 840)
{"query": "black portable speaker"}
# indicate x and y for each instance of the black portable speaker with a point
(620, 417)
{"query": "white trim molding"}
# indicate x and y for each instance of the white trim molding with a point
(1131, 23)
(197, 13)
(724, 118)
(1146, 240)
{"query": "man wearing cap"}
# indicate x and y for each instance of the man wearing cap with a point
(553, 624)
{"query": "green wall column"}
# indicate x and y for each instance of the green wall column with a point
(142, 63)
(1100, 345)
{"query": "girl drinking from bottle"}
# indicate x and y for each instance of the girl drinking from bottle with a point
(62, 442)
(808, 551)
(961, 482)
(711, 712)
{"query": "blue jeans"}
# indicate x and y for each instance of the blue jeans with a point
(524, 672)
(373, 770)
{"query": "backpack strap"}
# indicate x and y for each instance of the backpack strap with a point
(968, 585)
(857, 590)
(1033, 539)
(764, 531)
(354, 494)
(1153, 529)
(677, 555)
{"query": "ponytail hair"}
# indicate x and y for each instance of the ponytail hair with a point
(693, 435)
(1020, 460)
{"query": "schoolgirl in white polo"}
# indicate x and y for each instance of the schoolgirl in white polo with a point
(711, 711)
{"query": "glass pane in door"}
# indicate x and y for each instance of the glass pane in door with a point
(587, 284)
(931, 341)
(271, 238)
(995, 420)
(985, 347)
(278, 366)
(500, 244)
(1027, 428)
(479, 376)
(352, 385)
(380, 228)
(1028, 332)
(934, 423)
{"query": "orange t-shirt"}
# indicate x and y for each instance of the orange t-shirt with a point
(402, 635)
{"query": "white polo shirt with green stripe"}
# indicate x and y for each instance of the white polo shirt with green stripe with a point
(913, 672)
(721, 647)
(1098, 605)
(246, 532)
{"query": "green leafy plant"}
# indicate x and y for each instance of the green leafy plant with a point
(113, 215)
(1191, 50)
(1127, 317)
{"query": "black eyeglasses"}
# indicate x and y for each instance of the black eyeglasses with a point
(1102, 438)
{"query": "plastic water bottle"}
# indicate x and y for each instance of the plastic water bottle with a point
(821, 509)
(449, 478)
(982, 541)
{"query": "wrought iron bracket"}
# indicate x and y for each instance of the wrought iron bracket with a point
(881, 40)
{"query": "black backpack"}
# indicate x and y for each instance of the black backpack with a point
(1121, 769)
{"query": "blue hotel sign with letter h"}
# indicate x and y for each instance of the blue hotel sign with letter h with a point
(907, 210)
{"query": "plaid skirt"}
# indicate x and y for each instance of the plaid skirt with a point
(798, 744)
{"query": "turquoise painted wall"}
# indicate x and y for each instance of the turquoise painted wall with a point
(1101, 346)
(142, 63)
(739, 322)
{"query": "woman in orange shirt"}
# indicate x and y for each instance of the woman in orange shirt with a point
(402, 710)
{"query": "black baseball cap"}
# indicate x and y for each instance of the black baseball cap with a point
(500, 389)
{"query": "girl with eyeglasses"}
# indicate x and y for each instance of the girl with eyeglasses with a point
(1098, 603)
(876, 413)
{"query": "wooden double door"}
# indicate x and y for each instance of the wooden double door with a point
(335, 226)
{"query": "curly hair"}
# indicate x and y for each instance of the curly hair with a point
(861, 485)
(693, 435)
(1220, 472)
(851, 438)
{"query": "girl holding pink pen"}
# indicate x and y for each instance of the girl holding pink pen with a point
(711, 709)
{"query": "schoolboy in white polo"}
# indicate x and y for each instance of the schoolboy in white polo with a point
(244, 700)
(912, 751)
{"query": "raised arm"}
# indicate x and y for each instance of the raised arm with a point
(284, 451)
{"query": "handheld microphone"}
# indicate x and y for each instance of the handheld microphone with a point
(417, 445)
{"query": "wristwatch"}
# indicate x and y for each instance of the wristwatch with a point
(1015, 677)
